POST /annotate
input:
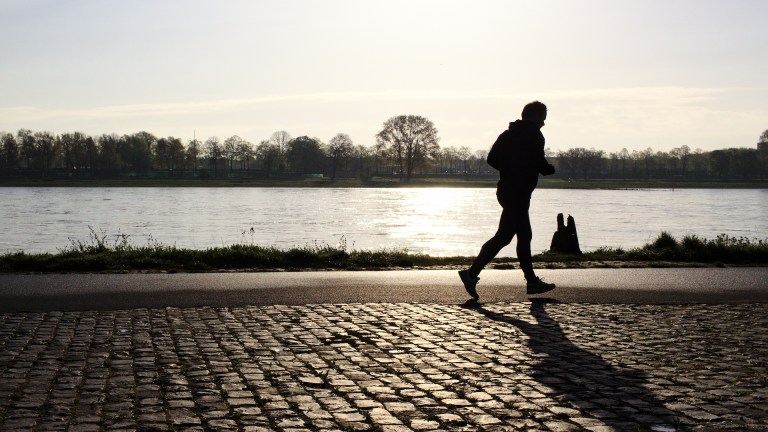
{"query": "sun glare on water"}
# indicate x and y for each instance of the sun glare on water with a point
(424, 218)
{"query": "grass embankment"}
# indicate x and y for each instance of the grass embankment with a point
(667, 251)
(122, 256)
(385, 182)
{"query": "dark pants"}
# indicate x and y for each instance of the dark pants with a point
(514, 221)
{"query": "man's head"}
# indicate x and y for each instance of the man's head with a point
(535, 112)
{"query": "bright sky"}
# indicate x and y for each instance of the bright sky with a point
(614, 73)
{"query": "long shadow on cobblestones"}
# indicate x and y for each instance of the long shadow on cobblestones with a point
(616, 396)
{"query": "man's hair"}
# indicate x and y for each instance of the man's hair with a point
(534, 109)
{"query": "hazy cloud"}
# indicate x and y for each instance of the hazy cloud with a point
(601, 118)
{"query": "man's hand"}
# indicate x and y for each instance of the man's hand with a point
(548, 170)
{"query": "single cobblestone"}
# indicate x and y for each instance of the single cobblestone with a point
(399, 367)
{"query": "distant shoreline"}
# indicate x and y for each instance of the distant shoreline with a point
(380, 182)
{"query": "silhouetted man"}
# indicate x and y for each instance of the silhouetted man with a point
(518, 154)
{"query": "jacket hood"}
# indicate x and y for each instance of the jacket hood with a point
(520, 124)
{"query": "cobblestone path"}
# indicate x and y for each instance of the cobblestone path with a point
(388, 367)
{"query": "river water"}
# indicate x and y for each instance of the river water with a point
(437, 221)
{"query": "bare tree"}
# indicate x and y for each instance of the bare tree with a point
(586, 161)
(109, 153)
(229, 150)
(465, 154)
(481, 162)
(624, 157)
(362, 156)
(340, 148)
(648, 161)
(213, 153)
(192, 153)
(305, 155)
(175, 152)
(9, 152)
(245, 154)
(268, 155)
(73, 149)
(281, 140)
(681, 155)
(411, 139)
(26, 142)
(136, 151)
(47, 150)
(162, 153)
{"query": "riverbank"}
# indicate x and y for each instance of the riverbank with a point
(385, 182)
(98, 255)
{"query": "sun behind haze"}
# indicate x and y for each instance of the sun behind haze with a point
(615, 74)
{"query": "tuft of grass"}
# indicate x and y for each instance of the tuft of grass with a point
(663, 241)
(722, 250)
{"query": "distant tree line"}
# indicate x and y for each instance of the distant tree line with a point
(44, 155)
(678, 163)
(406, 146)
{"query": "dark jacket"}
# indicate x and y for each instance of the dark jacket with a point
(518, 154)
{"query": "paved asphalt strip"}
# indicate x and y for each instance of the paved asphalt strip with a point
(68, 292)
